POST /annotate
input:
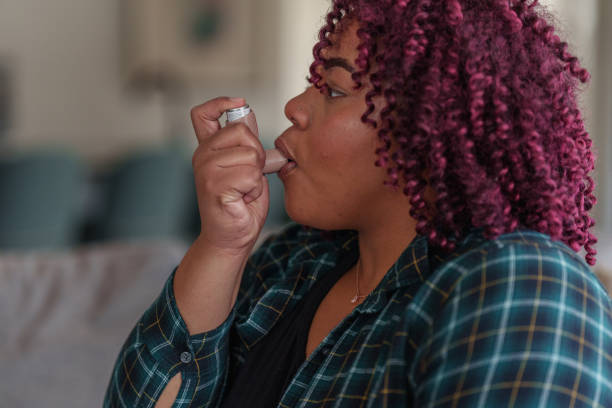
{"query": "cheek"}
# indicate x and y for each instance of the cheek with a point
(343, 140)
(332, 152)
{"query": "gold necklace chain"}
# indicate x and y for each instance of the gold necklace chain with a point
(357, 295)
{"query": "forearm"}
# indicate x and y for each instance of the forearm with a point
(205, 285)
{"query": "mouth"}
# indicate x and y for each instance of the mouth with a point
(280, 144)
(286, 169)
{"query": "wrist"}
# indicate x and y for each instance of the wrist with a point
(204, 245)
(205, 284)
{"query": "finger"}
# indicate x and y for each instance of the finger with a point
(205, 117)
(235, 134)
(231, 157)
(236, 182)
(256, 192)
(238, 156)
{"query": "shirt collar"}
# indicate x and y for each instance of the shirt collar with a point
(416, 263)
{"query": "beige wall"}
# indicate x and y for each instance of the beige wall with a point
(68, 87)
(66, 83)
(603, 113)
(302, 20)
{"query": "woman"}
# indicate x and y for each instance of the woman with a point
(440, 191)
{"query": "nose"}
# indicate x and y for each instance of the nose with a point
(296, 110)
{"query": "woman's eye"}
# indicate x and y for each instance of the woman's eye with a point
(334, 93)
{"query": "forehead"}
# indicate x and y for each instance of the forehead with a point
(344, 41)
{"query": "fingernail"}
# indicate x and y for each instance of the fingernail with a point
(236, 99)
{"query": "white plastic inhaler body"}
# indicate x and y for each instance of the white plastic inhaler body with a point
(274, 158)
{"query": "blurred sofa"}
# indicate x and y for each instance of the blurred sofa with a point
(51, 199)
(66, 313)
(39, 199)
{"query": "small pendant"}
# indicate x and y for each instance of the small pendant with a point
(356, 298)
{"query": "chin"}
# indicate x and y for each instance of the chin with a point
(300, 215)
(316, 217)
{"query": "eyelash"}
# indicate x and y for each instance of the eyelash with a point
(326, 90)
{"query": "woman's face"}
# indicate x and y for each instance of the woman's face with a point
(335, 184)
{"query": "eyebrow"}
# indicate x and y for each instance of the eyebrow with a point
(338, 62)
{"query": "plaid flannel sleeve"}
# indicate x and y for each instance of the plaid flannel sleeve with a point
(522, 326)
(158, 348)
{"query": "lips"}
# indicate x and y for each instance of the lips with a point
(280, 144)
(286, 169)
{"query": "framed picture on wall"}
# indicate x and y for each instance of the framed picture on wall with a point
(192, 41)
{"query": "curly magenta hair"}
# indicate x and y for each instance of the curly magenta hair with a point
(480, 105)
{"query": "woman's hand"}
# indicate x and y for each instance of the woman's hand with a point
(233, 194)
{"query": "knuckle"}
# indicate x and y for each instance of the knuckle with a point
(202, 171)
(194, 113)
(254, 177)
(253, 156)
(243, 129)
(195, 158)
(198, 158)
(208, 184)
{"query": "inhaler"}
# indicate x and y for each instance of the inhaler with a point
(274, 158)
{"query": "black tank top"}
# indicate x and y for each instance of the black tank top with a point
(272, 363)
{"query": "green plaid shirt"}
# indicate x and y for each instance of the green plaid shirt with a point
(519, 321)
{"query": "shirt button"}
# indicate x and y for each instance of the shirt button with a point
(186, 357)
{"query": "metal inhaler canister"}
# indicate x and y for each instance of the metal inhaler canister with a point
(245, 115)
(274, 158)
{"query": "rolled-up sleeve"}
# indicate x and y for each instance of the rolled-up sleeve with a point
(523, 326)
(158, 348)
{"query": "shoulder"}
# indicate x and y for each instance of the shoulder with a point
(524, 261)
(512, 280)
(522, 282)
(514, 307)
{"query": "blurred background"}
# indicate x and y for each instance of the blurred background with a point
(97, 203)
(95, 100)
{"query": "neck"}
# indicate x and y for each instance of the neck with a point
(384, 233)
(379, 249)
